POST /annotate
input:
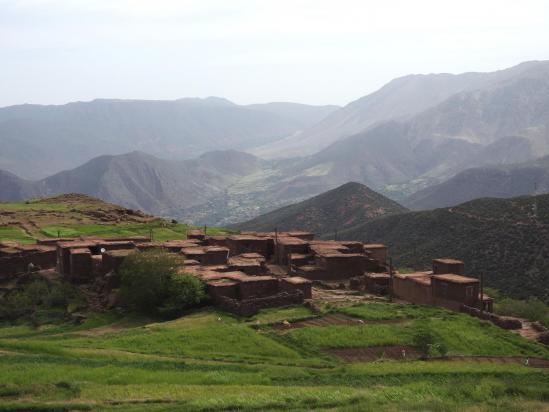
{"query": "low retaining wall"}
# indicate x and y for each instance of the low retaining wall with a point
(501, 321)
(249, 307)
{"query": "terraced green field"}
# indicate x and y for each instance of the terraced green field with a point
(76, 215)
(210, 360)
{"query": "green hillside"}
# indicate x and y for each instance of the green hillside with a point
(211, 360)
(73, 215)
(507, 240)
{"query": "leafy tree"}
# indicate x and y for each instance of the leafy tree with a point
(150, 283)
(185, 291)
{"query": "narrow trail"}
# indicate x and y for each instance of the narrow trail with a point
(528, 331)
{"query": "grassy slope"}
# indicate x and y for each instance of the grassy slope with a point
(500, 238)
(210, 360)
(69, 216)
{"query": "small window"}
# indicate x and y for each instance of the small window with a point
(469, 291)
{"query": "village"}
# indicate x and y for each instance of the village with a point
(246, 272)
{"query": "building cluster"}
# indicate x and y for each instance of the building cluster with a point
(252, 270)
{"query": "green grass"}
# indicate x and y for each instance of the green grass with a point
(462, 334)
(385, 311)
(15, 233)
(277, 315)
(161, 231)
(37, 206)
(209, 360)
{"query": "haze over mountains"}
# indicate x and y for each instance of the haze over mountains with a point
(417, 131)
(38, 141)
(503, 181)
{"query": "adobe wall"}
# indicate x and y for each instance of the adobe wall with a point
(455, 292)
(258, 288)
(247, 244)
(443, 266)
(414, 292)
(19, 262)
(80, 264)
(291, 285)
(342, 266)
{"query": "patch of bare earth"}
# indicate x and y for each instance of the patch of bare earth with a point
(113, 327)
(371, 354)
(528, 331)
(340, 296)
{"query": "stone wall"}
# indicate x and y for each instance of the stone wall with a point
(501, 321)
(249, 307)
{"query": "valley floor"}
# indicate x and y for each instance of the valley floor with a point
(289, 358)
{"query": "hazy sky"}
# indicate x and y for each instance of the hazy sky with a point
(310, 51)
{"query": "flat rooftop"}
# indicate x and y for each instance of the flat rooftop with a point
(448, 261)
(450, 277)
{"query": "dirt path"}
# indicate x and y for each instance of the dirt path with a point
(527, 331)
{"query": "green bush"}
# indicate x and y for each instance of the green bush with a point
(151, 284)
(38, 295)
(532, 309)
(185, 291)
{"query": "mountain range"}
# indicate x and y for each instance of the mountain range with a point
(416, 132)
(38, 140)
(504, 181)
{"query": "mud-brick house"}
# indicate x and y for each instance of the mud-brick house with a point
(452, 291)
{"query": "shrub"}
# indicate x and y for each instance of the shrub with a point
(38, 295)
(532, 309)
(151, 284)
(185, 291)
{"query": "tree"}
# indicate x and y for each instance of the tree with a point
(151, 284)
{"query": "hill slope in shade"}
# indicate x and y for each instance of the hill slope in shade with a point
(501, 182)
(337, 209)
(38, 141)
(507, 240)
